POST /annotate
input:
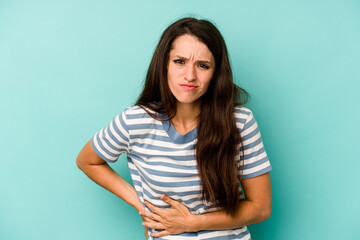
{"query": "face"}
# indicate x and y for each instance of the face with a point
(190, 69)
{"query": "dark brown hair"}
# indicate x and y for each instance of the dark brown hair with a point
(218, 139)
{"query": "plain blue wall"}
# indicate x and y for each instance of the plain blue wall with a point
(68, 67)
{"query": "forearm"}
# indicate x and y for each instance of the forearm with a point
(106, 177)
(247, 213)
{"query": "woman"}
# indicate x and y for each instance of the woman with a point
(191, 146)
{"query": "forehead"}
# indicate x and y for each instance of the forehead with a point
(189, 46)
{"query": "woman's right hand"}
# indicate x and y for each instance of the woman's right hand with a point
(100, 172)
(146, 232)
(141, 209)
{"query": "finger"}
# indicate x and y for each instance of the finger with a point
(150, 215)
(154, 225)
(146, 232)
(160, 234)
(145, 219)
(173, 203)
(153, 208)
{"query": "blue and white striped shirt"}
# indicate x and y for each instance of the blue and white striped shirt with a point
(163, 161)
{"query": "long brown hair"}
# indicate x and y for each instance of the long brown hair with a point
(218, 138)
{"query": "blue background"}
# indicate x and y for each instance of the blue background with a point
(68, 67)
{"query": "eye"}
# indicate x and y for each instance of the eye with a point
(204, 66)
(178, 61)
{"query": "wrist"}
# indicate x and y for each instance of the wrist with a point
(195, 223)
(138, 206)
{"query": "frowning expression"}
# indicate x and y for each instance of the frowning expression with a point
(190, 69)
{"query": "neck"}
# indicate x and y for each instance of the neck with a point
(186, 117)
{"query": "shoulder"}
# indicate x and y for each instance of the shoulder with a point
(135, 112)
(136, 117)
(241, 111)
(242, 116)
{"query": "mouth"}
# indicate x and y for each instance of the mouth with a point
(188, 87)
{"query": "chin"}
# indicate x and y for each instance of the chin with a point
(188, 101)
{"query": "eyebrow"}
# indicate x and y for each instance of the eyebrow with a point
(202, 61)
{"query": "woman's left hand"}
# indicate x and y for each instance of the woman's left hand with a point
(176, 220)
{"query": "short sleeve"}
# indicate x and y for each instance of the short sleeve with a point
(113, 140)
(255, 158)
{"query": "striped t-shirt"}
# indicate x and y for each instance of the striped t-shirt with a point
(163, 161)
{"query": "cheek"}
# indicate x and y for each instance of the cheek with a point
(206, 86)
(169, 75)
(172, 73)
(207, 81)
(171, 81)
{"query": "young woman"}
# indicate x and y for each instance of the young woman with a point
(195, 154)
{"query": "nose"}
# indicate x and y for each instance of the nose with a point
(190, 73)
